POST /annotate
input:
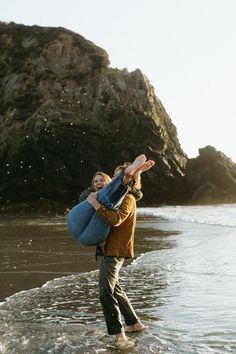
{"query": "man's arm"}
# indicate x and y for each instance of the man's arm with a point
(113, 217)
(92, 199)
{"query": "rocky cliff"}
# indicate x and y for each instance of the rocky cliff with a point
(211, 177)
(64, 114)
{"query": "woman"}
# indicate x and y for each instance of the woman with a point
(99, 180)
(83, 222)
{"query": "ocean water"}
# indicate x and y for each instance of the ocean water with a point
(182, 285)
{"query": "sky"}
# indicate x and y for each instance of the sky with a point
(186, 48)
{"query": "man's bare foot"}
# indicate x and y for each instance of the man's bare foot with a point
(123, 345)
(145, 167)
(131, 169)
(121, 335)
(137, 327)
(122, 341)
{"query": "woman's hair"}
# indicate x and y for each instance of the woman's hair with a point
(105, 177)
(135, 183)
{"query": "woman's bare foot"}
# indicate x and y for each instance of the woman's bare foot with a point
(138, 162)
(145, 167)
(131, 169)
(137, 327)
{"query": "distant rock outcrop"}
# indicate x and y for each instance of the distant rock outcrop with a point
(211, 177)
(64, 114)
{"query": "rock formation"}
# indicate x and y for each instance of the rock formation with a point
(211, 177)
(64, 114)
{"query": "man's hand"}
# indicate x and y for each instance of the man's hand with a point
(92, 199)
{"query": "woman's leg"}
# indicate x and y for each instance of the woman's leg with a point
(95, 232)
(112, 194)
(86, 226)
(78, 218)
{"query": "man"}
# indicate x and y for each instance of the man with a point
(119, 246)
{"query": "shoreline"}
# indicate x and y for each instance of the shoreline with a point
(36, 250)
(25, 211)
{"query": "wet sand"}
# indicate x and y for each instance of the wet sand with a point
(176, 288)
(34, 251)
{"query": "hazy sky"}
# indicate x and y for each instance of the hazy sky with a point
(186, 48)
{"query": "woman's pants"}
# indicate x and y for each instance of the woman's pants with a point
(83, 222)
(113, 299)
